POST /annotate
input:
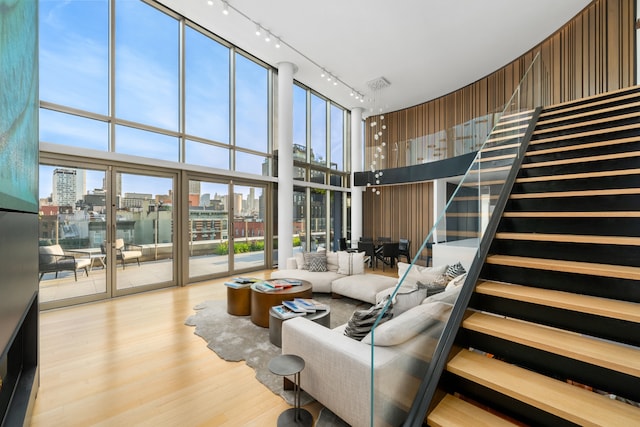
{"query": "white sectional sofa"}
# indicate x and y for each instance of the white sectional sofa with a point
(344, 276)
(337, 369)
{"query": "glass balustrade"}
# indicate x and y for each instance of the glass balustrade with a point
(402, 348)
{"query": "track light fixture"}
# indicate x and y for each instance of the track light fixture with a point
(278, 42)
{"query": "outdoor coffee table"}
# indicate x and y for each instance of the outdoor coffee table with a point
(261, 302)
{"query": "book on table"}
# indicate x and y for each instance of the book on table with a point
(298, 308)
(310, 303)
(284, 312)
(236, 285)
(241, 282)
(265, 287)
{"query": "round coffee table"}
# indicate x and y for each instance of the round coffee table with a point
(239, 301)
(261, 302)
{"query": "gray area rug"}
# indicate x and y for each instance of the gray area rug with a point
(236, 338)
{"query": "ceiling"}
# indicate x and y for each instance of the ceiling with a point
(423, 48)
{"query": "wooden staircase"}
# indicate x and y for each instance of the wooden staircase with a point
(552, 331)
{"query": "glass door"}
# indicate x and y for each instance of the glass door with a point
(249, 226)
(209, 238)
(140, 250)
(73, 217)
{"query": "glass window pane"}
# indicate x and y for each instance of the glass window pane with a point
(74, 54)
(318, 130)
(317, 177)
(252, 113)
(299, 174)
(198, 153)
(67, 129)
(146, 65)
(249, 163)
(249, 227)
(318, 218)
(337, 138)
(299, 123)
(148, 144)
(299, 219)
(206, 87)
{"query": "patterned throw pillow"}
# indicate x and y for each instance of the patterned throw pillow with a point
(362, 321)
(316, 261)
(455, 270)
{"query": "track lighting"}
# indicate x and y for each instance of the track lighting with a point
(258, 30)
(225, 8)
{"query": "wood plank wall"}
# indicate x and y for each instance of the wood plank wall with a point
(591, 54)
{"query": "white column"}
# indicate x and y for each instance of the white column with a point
(286, 70)
(356, 166)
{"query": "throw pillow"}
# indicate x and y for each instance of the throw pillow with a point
(455, 270)
(405, 298)
(420, 274)
(449, 296)
(434, 287)
(299, 257)
(332, 261)
(409, 324)
(350, 263)
(361, 321)
(315, 261)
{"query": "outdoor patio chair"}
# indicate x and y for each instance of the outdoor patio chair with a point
(52, 259)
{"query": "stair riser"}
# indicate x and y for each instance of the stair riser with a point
(541, 144)
(623, 202)
(582, 252)
(581, 167)
(559, 110)
(526, 414)
(600, 286)
(599, 183)
(584, 323)
(625, 108)
(586, 226)
(581, 152)
(554, 365)
(586, 126)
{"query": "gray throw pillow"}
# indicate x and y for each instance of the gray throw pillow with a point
(315, 261)
(362, 321)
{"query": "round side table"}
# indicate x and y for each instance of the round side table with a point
(239, 301)
(286, 365)
(322, 317)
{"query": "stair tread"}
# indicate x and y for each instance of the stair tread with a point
(576, 193)
(454, 412)
(597, 352)
(571, 238)
(593, 269)
(616, 309)
(564, 400)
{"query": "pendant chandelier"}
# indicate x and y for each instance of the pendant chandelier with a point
(379, 135)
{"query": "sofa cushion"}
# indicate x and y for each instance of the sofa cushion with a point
(363, 287)
(406, 297)
(421, 274)
(299, 257)
(456, 281)
(408, 324)
(449, 296)
(350, 262)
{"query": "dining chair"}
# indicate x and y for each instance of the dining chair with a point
(404, 247)
(389, 254)
(369, 251)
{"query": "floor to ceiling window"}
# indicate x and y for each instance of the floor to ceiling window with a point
(161, 104)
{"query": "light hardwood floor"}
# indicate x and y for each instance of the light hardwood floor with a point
(131, 361)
